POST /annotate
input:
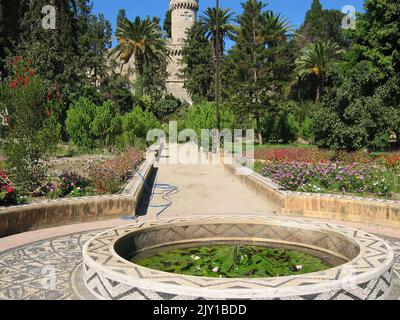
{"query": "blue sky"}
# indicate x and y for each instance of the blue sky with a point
(294, 10)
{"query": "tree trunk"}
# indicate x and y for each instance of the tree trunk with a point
(318, 95)
(260, 137)
(320, 88)
(139, 75)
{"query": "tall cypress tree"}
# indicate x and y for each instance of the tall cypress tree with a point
(198, 60)
(248, 57)
(168, 24)
(321, 25)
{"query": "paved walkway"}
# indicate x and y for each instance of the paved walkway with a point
(46, 264)
(204, 188)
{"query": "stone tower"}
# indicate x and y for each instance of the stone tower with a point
(183, 17)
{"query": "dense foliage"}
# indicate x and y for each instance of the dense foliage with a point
(234, 261)
(31, 130)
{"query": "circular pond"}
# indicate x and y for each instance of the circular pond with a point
(290, 259)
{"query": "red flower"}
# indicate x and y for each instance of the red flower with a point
(30, 62)
(32, 72)
(10, 189)
(19, 77)
(18, 58)
(25, 70)
(49, 95)
(26, 81)
(14, 84)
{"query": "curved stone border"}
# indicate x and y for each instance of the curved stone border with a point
(326, 206)
(52, 213)
(367, 277)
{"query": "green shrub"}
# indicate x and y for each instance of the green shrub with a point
(79, 123)
(204, 116)
(163, 108)
(91, 126)
(106, 125)
(282, 125)
(136, 124)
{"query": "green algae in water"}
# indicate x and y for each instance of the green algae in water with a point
(237, 261)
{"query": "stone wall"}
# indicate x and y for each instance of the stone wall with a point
(325, 206)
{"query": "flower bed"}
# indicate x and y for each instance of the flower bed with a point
(109, 176)
(319, 171)
(8, 194)
(106, 177)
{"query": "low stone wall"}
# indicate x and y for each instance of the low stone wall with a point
(345, 208)
(54, 213)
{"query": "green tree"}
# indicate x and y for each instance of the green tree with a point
(217, 24)
(143, 40)
(168, 24)
(226, 27)
(321, 25)
(361, 106)
(198, 61)
(121, 18)
(313, 62)
(255, 65)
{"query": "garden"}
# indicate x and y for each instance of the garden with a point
(323, 171)
(326, 98)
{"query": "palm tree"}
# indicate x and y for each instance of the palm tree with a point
(141, 39)
(217, 25)
(227, 29)
(313, 61)
(276, 29)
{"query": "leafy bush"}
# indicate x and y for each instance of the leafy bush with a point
(282, 125)
(136, 124)
(354, 114)
(91, 126)
(163, 108)
(204, 116)
(32, 129)
(106, 125)
(79, 123)
(108, 176)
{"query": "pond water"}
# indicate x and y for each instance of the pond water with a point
(235, 260)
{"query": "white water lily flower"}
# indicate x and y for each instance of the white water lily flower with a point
(299, 267)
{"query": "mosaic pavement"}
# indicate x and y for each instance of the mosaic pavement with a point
(51, 269)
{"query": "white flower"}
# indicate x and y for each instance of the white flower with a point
(216, 269)
(195, 258)
(299, 267)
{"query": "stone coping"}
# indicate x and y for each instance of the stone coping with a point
(52, 213)
(342, 207)
(366, 276)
